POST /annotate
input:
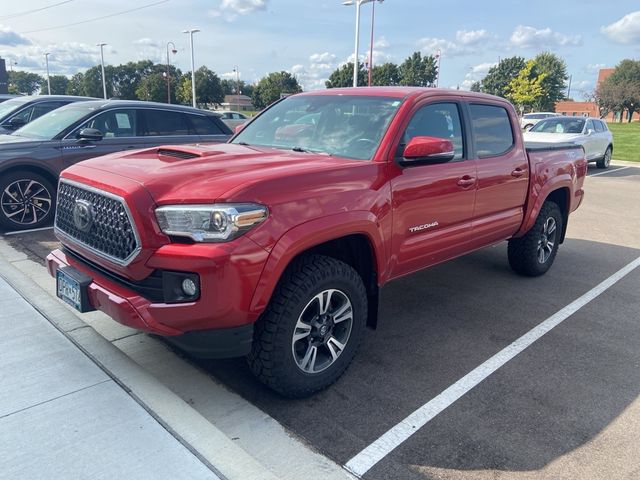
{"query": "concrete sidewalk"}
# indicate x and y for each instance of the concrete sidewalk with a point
(61, 416)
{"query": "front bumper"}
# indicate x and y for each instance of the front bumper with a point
(228, 277)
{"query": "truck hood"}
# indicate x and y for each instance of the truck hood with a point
(205, 173)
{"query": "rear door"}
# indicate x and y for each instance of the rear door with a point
(433, 203)
(503, 173)
(208, 128)
(166, 127)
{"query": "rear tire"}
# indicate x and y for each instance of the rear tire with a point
(534, 253)
(605, 161)
(311, 330)
(27, 200)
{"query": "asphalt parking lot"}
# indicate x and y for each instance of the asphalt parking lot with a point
(567, 406)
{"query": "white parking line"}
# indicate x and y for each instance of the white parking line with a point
(609, 171)
(18, 232)
(394, 437)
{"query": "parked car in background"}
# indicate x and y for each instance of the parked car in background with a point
(17, 112)
(590, 133)
(32, 157)
(528, 120)
(7, 96)
(232, 119)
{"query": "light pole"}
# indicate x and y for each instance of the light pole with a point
(235, 69)
(174, 51)
(46, 61)
(356, 64)
(193, 69)
(104, 81)
(438, 56)
(11, 64)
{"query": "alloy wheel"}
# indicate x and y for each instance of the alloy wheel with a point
(547, 240)
(25, 202)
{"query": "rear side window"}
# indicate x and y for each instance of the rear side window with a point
(165, 123)
(204, 125)
(42, 108)
(491, 130)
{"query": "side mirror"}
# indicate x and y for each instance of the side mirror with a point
(422, 150)
(590, 131)
(90, 134)
(15, 123)
(238, 128)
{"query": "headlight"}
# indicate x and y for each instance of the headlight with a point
(210, 223)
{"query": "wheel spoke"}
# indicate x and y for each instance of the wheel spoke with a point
(308, 363)
(302, 330)
(17, 212)
(335, 347)
(324, 301)
(550, 246)
(541, 255)
(551, 226)
(344, 313)
(42, 199)
(8, 192)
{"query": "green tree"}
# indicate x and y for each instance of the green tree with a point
(527, 90)
(500, 76)
(59, 84)
(126, 78)
(622, 88)
(554, 84)
(74, 87)
(91, 83)
(229, 87)
(208, 87)
(183, 91)
(418, 71)
(386, 74)
(25, 83)
(272, 87)
(343, 76)
(152, 88)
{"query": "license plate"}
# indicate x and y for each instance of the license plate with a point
(72, 288)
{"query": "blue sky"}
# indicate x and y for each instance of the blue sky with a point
(310, 38)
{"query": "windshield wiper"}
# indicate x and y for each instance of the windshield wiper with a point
(305, 150)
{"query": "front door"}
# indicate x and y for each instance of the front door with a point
(432, 204)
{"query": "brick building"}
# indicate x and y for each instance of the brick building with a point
(590, 109)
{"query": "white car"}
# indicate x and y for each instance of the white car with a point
(232, 119)
(528, 120)
(591, 133)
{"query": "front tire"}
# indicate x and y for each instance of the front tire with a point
(311, 330)
(27, 200)
(605, 161)
(534, 253)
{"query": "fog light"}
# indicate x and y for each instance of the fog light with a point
(189, 287)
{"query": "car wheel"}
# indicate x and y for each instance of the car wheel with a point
(27, 200)
(312, 328)
(527, 127)
(605, 161)
(534, 253)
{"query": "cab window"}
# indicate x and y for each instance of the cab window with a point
(491, 130)
(441, 120)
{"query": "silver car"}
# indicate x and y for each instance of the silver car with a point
(528, 120)
(591, 133)
(232, 119)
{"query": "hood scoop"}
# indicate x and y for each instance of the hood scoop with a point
(169, 152)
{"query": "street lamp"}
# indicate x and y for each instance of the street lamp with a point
(104, 81)
(46, 61)
(358, 4)
(193, 69)
(11, 64)
(235, 69)
(174, 51)
(438, 56)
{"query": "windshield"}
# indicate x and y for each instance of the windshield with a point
(559, 125)
(343, 125)
(51, 124)
(10, 106)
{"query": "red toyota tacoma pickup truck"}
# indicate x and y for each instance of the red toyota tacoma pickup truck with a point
(275, 245)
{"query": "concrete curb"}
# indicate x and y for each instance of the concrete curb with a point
(188, 426)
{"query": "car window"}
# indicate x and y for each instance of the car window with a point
(605, 128)
(440, 120)
(599, 126)
(165, 123)
(492, 132)
(589, 126)
(45, 107)
(113, 123)
(204, 125)
(24, 115)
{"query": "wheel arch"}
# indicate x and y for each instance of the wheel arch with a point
(560, 197)
(357, 242)
(53, 178)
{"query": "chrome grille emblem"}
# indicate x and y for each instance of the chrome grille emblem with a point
(83, 215)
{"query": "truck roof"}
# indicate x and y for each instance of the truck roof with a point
(400, 92)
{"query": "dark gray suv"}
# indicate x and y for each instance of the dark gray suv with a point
(32, 157)
(17, 112)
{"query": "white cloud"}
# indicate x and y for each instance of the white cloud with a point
(594, 67)
(472, 37)
(325, 57)
(231, 9)
(10, 38)
(147, 42)
(626, 30)
(381, 43)
(475, 73)
(530, 37)
(430, 46)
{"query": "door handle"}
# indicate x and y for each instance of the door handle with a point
(466, 181)
(518, 172)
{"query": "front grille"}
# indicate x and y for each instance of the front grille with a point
(110, 233)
